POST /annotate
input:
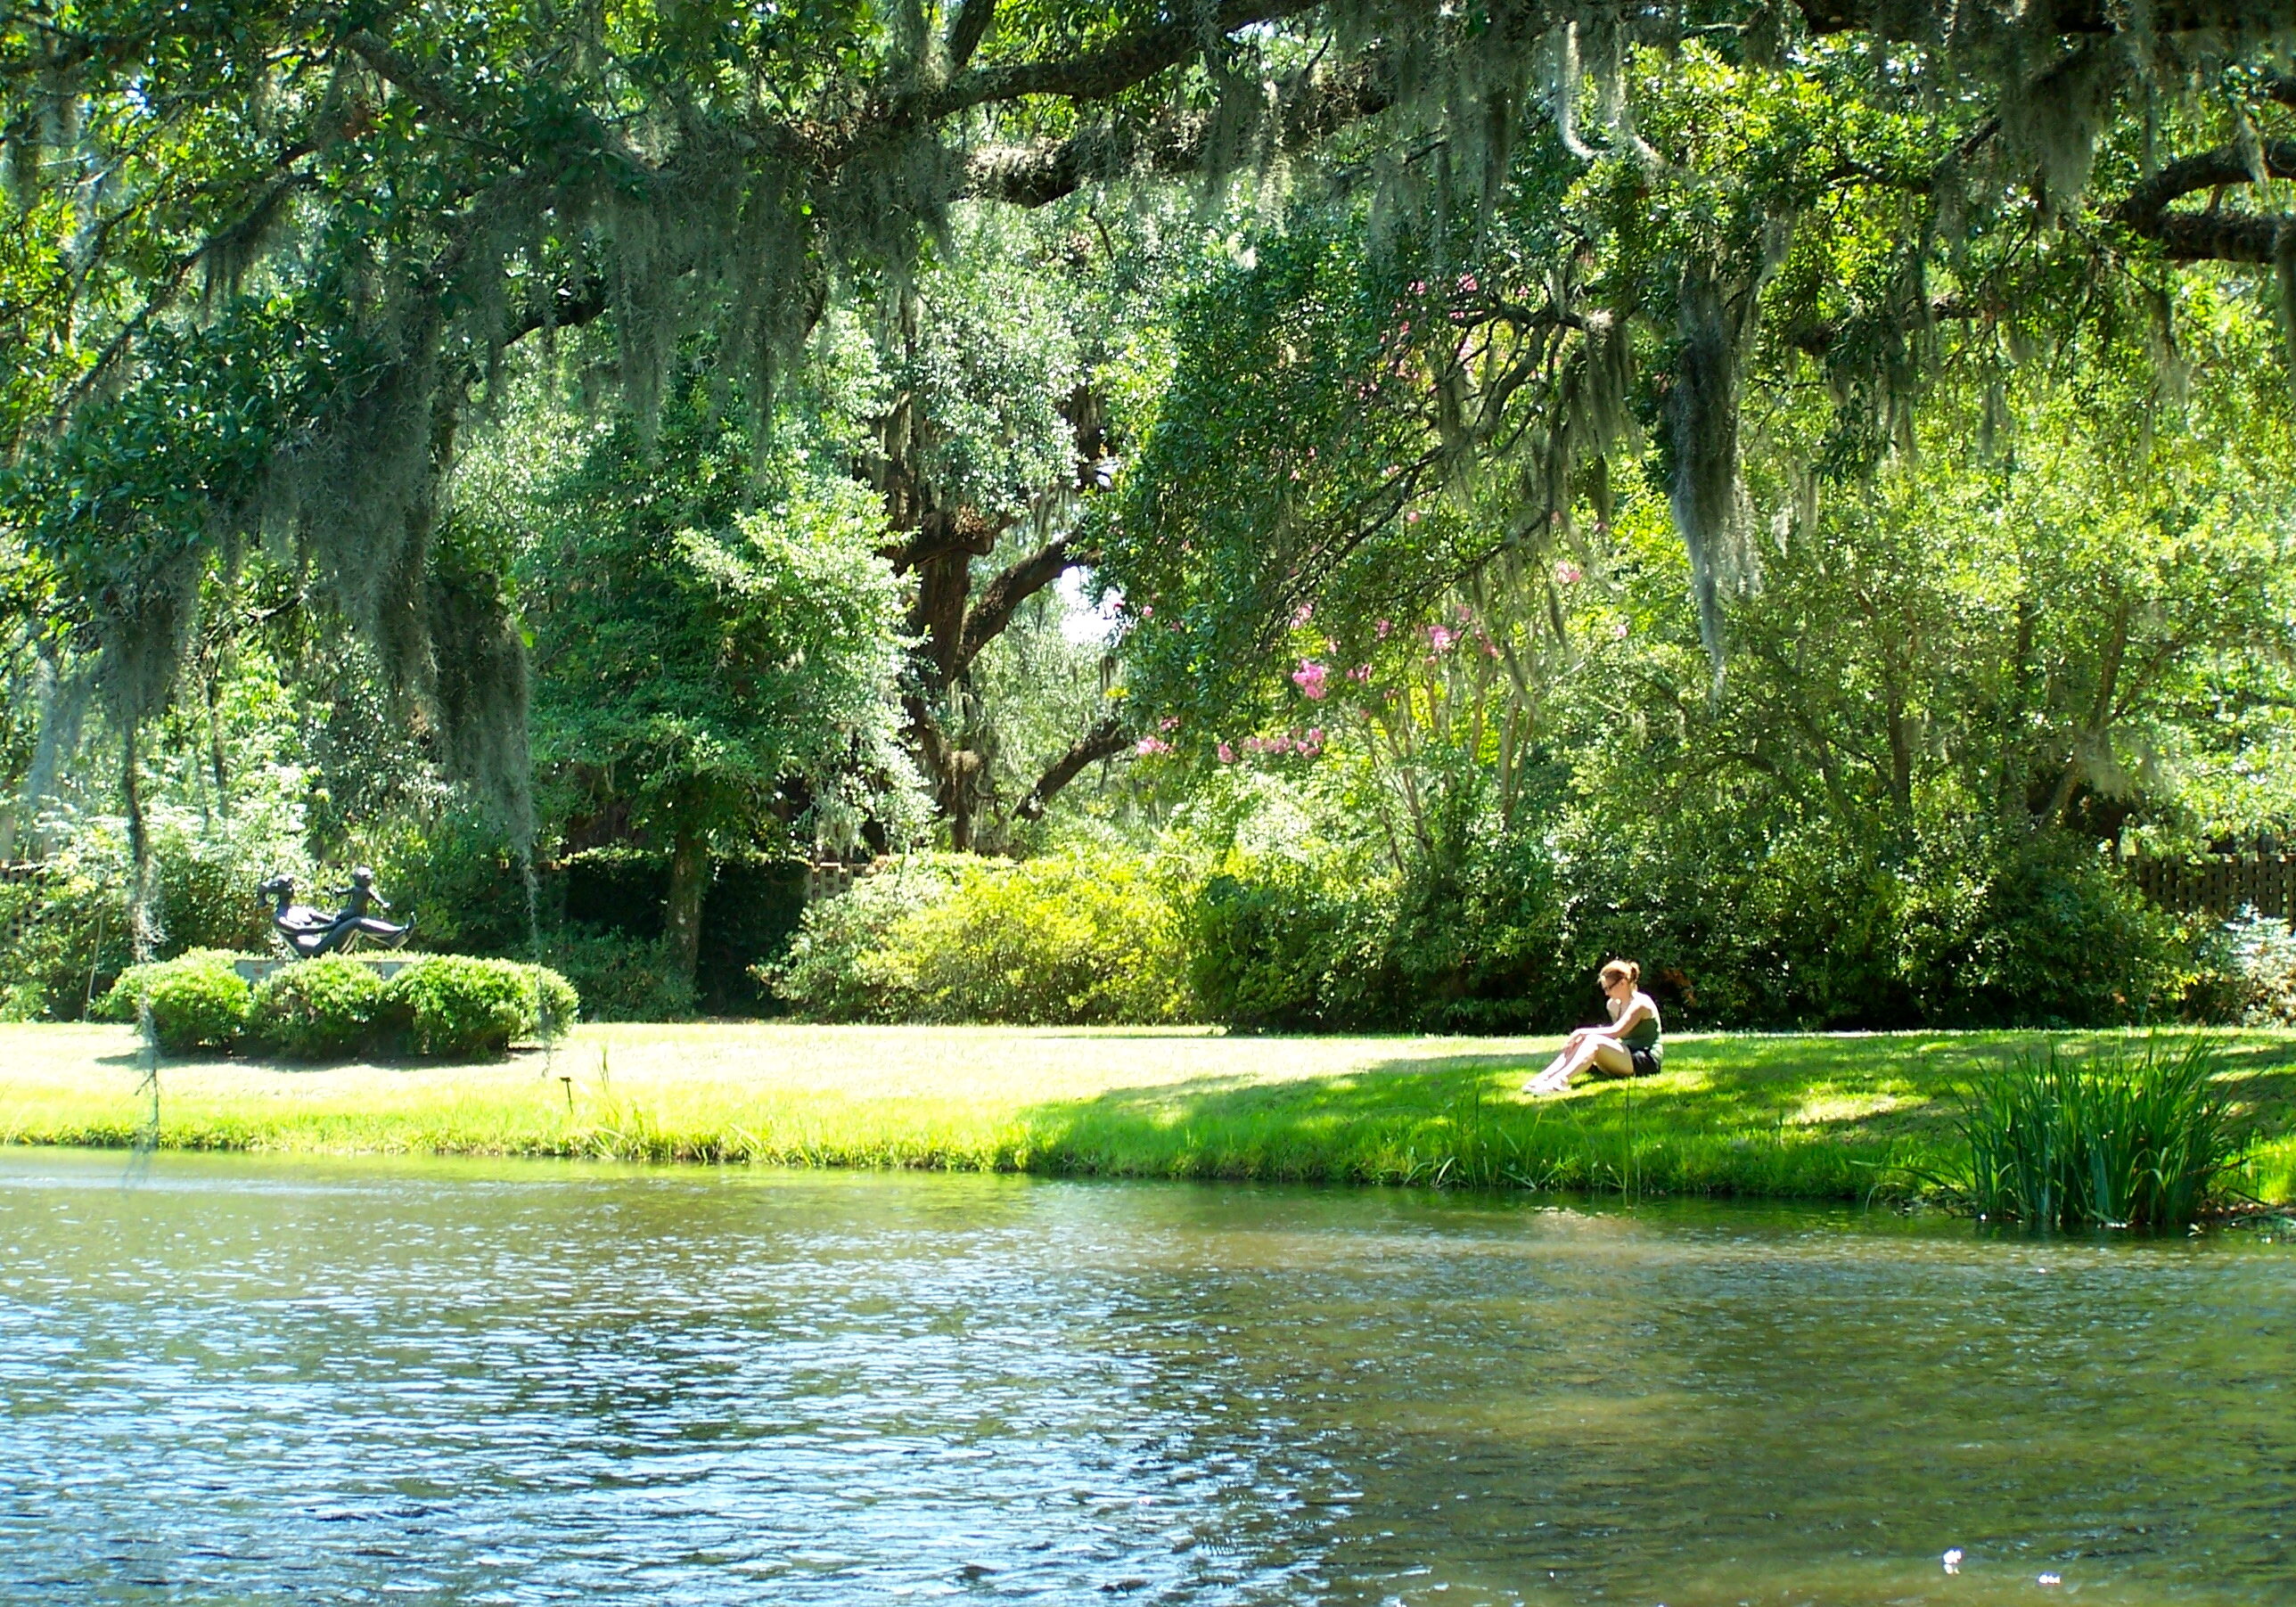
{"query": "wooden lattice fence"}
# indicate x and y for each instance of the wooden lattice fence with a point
(2220, 884)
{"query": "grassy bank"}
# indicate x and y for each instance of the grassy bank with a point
(1808, 1117)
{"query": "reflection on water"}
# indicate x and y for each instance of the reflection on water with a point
(239, 1378)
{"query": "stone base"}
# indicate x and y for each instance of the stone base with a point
(384, 966)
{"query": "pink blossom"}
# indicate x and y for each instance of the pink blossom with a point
(1361, 672)
(1149, 745)
(1227, 754)
(1440, 637)
(1567, 573)
(1147, 610)
(1412, 517)
(1309, 678)
(1386, 628)
(1302, 614)
(1316, 736)
(1170, 722)
(1620, 630)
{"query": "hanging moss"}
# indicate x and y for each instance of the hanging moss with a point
(671, 213)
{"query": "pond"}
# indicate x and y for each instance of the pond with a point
(275, 1379)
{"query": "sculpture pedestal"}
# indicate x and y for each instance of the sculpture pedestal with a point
(384, 966)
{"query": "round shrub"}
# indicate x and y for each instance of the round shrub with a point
(456, 1007)
(197, 1001)
(316, 1009)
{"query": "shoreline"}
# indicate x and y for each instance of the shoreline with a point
(1771, 1116)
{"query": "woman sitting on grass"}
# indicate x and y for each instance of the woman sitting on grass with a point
(1627, 1047)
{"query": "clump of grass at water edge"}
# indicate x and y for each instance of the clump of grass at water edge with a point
(2128, 1136)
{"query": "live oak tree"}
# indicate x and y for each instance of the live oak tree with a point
(271, 253)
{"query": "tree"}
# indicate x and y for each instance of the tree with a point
(439, 185)
(458, 180)
(715, 662)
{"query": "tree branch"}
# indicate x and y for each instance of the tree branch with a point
(972, 27)
(987, 617)
(1104, 741)
(1105, 72)
(1035, 175)
(2215, 236)
(2068, 17)
(401, 72)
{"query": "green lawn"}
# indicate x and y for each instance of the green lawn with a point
(1803, 1116)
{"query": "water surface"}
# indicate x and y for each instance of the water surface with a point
(227, 1378)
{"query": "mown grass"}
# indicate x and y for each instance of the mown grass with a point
(1811, 1116)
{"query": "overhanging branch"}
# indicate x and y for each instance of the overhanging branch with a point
(2213, 235)
(1104, 741)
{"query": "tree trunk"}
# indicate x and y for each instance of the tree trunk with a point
(689, 881)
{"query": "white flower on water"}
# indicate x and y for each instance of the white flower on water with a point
(2049, 1578)
(1953, 1559)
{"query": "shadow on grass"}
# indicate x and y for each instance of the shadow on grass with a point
(1807, 1117)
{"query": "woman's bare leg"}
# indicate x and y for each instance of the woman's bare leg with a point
(1584, 1051)
(1557, 1067)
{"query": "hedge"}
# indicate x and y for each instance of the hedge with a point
(438, 1007)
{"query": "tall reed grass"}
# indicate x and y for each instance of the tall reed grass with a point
(2135, 1137)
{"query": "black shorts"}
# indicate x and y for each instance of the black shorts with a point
(1645, 1061)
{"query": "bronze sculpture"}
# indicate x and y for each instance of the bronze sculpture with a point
(310, 933)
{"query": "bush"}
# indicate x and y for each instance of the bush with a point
(197, 1001)
(2259, 984)
(1067, 939)
(841, 966)
(1262, 940)
(1070, 940)
(620, 978)
(557, 1001)
(455, 1007)
(318, 1009)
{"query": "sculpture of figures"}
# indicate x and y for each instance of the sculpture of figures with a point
(310, 932)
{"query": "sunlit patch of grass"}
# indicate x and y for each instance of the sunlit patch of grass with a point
(1789, 1116)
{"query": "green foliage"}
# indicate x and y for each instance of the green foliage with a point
(620, 978)
(708, 662)
(1073, 939)
(197, 1000)
(2260, 980)
(1261, 944)
(843, 964)
(455, 1007)
(63, 937)
(557, 1001)
(2113, 1139)
(322, 1009)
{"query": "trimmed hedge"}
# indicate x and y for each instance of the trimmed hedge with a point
(439, 1007)
(321, 1009)
(197, 1001)
(459, 1008)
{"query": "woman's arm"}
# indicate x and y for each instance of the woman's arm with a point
(1637, 1009)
